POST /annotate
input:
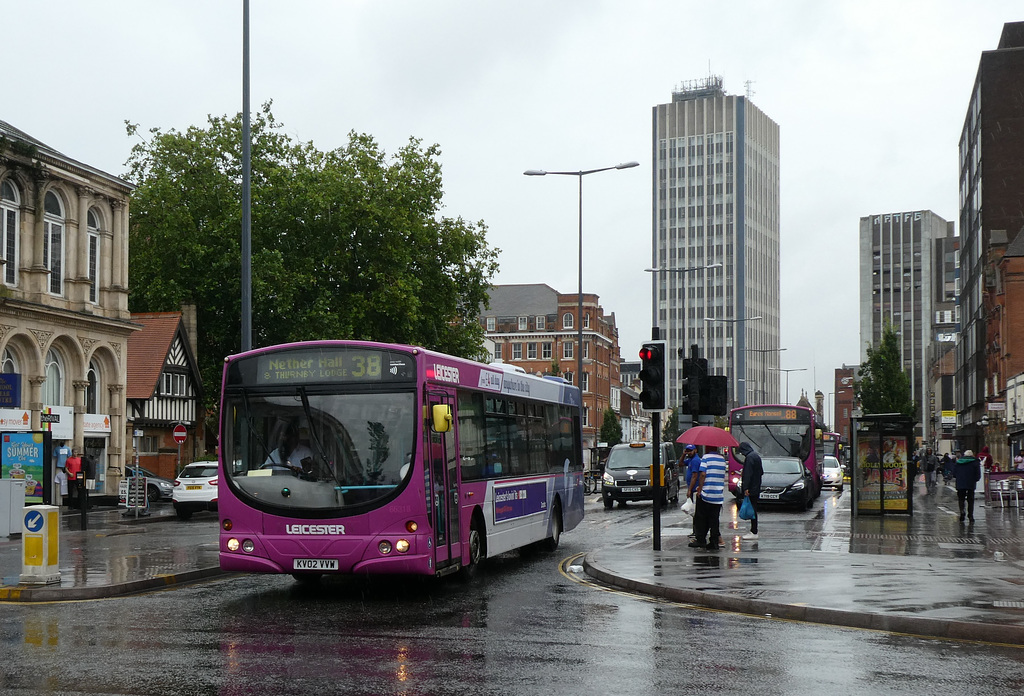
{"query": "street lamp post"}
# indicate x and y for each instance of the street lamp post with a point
(724, 320)
(792, 369)
(763, 376)
(830, 405)
(579, 310)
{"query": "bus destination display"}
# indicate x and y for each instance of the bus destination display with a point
(769, 414)
(345, 365)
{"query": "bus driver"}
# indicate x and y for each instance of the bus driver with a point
(292, 454)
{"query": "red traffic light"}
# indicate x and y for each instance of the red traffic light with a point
(646, 353)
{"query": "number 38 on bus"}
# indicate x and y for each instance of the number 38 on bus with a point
(353, 457)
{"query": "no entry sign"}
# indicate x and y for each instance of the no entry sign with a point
(180, 433)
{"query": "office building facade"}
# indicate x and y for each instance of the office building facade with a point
(991, 206)
(897, 287)
(715, 248)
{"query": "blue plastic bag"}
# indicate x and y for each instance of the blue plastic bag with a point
(747, 509)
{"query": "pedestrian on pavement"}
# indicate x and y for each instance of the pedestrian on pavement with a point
(967, 472)
(73, 469)
(1018, 462)
(931, 465)
(750, 481)
(691, 464)
(948, 460)
(709, 488)
(985, 460)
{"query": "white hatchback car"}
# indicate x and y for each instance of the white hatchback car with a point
(195, 489)
(832, 473)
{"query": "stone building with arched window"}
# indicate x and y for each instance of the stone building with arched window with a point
(64, 320)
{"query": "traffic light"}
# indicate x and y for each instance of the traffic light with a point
(691, 391)
(652, 375)
(717, 401)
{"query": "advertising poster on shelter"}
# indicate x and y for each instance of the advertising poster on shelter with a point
(22, 457)
(883, 473)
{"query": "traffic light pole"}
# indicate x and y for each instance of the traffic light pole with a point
(656, 467)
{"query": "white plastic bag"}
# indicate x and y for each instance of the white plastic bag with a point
(688, 506)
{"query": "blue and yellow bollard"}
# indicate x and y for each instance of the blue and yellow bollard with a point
(40, 542)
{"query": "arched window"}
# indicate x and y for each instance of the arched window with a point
(567, 322)
(53, 387)
(9, 366)
(10, 217)
(53, 241)
(92, 392)
(93, 244)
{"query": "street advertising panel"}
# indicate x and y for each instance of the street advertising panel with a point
(26, 456)
(882, 481)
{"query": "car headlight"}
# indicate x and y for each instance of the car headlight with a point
(797, 486)
(609, 479)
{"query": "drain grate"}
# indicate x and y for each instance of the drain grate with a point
(1008, 605)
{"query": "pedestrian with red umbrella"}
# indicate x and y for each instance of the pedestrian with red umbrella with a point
(708, 487)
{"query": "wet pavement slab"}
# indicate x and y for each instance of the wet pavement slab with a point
(924, 574)
(117, 553)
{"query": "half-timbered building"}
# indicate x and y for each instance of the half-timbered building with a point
(164, 390)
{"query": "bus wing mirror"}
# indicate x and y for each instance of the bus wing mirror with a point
(817, 433)
(442, 417)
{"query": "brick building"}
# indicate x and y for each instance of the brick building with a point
(535, 327)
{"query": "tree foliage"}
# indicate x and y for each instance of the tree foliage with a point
(347, 243)
(611, 428)
(883, 386)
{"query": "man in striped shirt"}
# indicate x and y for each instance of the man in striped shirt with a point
(709, 487)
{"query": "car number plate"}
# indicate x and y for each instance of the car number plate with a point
(193, 488)
(769, 496)
(631, 489)
(315, 564)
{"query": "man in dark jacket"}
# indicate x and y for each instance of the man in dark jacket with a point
(750, 483)
(967, 472)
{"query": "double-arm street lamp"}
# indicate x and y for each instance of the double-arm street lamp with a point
(792, 369)
(724, 320)
(763, 376)
(578, 381)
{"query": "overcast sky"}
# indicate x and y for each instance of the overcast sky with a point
(869, 96)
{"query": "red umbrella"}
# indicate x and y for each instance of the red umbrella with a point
(709, 436)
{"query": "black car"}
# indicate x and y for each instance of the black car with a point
(785, 482)
(627, 474)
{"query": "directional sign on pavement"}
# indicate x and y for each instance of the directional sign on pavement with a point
(33, 520)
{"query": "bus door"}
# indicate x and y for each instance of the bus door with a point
(442, 473)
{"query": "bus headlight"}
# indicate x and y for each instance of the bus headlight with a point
(402, 545)
(248, 546)
(232, 544)
(384, 547)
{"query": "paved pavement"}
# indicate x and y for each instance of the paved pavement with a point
(117, 554)
(924, 574)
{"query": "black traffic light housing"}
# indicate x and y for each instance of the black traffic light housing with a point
(691, 387)
(652, 375)
(716, 403)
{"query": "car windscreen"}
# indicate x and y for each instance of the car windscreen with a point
(629, 458)
(781, 466)
(198, 472)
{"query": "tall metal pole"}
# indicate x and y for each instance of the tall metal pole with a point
(246, 189)
(579, 308)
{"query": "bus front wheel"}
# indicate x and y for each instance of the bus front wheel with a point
(551, 543)
(477, 549)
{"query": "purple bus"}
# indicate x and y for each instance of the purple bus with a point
(777, 431)
(353, 457)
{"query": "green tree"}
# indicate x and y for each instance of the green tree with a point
(883, 385)
(611, 428)
(347, 243)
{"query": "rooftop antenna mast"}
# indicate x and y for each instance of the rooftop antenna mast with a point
(749, 84)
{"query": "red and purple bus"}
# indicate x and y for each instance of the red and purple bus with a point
(353, 457)
(777, 431)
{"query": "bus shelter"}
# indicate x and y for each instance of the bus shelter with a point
(882, 480)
